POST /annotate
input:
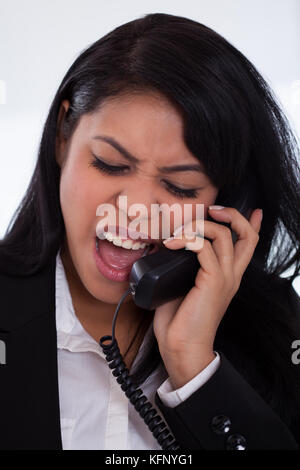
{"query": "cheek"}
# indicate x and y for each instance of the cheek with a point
(209, 198)
(206, 197)
(79, 198)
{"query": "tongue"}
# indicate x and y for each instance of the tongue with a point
(118, 257)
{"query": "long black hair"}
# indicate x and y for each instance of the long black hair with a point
(234, 124)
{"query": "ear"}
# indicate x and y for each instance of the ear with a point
(60, 143)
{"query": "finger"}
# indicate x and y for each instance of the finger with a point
(181, 241)
(208, 260)
(202, 247)
(185, 236)
(221, 240)
(220, 237)
(247, 232)
(256, 219)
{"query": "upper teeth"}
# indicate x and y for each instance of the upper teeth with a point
(128, 244)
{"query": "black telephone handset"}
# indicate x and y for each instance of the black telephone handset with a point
(154, 280)
(167, 274)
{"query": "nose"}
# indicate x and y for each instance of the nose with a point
(139, 208)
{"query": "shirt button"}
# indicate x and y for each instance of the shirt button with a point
(221, 424)
(236, 442)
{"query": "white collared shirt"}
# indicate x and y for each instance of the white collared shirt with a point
(95, 412)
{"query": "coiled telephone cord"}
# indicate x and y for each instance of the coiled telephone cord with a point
(135, 395)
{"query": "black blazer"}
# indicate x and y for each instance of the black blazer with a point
(226, 412)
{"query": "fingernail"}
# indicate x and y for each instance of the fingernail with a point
(216, 208)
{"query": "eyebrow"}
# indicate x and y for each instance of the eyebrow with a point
(163, 169)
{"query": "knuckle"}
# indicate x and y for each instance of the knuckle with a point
(205, 243)
(255, 237)
(252, 235)
(234, 212)
(226, 231)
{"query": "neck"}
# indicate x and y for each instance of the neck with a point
(96, 316)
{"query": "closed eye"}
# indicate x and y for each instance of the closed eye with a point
(110, 169)
(180, 192)
(118, 170)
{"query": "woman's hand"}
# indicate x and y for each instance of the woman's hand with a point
(186, 327)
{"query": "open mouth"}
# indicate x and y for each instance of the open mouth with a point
(114, 257)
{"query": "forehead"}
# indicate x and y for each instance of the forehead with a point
(148, 125)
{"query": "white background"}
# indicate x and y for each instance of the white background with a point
(39, 40)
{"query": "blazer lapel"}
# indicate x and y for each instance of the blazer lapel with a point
(29, 395)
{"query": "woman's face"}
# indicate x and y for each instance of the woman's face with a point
(149, 129)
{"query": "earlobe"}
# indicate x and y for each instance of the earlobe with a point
(60, 143)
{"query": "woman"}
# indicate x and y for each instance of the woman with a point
(158, 92)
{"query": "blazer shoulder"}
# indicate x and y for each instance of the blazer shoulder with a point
(25, 297)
